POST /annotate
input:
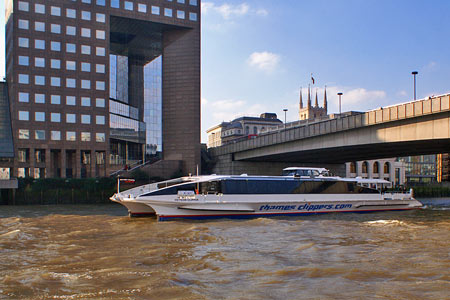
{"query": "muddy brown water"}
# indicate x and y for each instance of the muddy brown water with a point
(98, 252)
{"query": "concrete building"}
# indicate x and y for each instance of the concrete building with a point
(98, 84)
(242, 127)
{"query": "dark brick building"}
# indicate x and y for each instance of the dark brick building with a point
(95, 85)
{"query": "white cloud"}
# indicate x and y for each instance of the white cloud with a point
(229, 11)
(262, 12)
(265, 61)
(355, 99)
(430, 67)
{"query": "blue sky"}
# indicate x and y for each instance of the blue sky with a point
(256, 54)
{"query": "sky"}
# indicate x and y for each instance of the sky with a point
(257, 54)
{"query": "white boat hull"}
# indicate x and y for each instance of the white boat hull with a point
(246, 206)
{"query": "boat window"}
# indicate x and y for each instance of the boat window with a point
(210, 187)
(173, 190)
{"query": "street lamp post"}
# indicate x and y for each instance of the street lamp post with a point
(340, 94)
(414, 73)
(285, 110)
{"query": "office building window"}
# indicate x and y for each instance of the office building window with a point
(23, 60)
(24, 115)
(115, 3)
(101, 18)
(71, 65)
(100, 120)
(86, 15)
(56, 135)
(71, 30)
(85, 136)
(55, 117)
(71, 13)
(128, 5)
(39, 26)
(39, 98)
(71, 83)
(155, 10)
(181, 1)
(86, 32)
(55, 11)
(23, 42)
(39, 62)
(100, 137)
(85, 101)
(39, 8)
(167, 12)
(193, 2)
(39, 44)
(100, 2)
(39, 134)
(71, 136)
(24, 97)
(55, 64)
(192, 16)
(55, 99)
(55, 28)
(24, 24)
(23, 6)
(70, 100)
(39, 116)
(24, 78)
(100, 102)
(100, 51)
(85, 49)
(55, 81)
(100, 34)
(85, 84)
(142, 8)
(55, 46)
(85, 119)
(180, 14)
(100, 68)
(24, 134)
(85, 67)
(85, 1)
(100, 85)
(70, 118)
(39, 80)
(71, 48)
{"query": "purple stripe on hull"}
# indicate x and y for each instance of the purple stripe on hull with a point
(266, 215)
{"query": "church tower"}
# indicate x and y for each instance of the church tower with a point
(313, 112)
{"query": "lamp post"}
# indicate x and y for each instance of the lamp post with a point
(414, 73)
(285, 110)
(340, 94)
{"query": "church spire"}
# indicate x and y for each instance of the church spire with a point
(301, 100)
(325, 104)
(309, 96)
(316, 104)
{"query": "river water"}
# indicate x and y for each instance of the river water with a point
(97, 252)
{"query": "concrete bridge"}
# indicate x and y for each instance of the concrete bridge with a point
(414, 128)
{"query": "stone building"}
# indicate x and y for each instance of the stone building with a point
(310, 112)
(242, 127)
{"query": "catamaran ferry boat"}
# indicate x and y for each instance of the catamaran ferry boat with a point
(231, 196)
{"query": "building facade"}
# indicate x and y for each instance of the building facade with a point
(242, 127)
(389, 169)
(98, 84)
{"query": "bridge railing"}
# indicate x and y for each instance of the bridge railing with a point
(300, 129)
